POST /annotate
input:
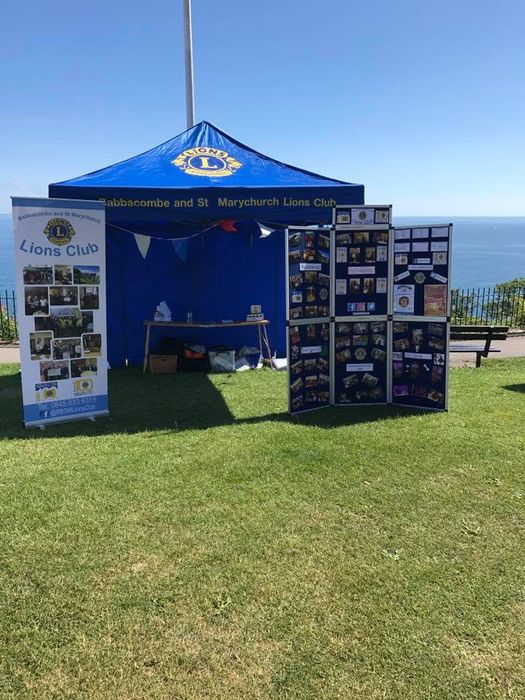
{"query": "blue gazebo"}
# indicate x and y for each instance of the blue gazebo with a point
(184, 226)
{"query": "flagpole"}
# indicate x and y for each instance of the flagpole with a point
(188, 55)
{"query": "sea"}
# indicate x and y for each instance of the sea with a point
(485, 250)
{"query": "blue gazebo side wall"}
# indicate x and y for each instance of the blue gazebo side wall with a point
(223, 274)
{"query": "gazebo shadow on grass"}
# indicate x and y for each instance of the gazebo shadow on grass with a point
(519, 388)
(172, 403)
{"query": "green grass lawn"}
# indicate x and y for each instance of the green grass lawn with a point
(200, 543)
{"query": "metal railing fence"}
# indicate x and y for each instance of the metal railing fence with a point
(8, 322)
(501, 305)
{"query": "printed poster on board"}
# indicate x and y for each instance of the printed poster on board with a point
(422, 270)
(61, 291)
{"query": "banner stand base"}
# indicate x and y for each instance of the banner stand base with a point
(53, 421)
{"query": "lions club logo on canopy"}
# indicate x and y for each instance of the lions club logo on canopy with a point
(59, 231)
(211, 162)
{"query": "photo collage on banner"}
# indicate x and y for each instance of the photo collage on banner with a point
(419, 363)
(421, 271)
(360, 369)
(308, 315)
(60, 272)
(361, 261)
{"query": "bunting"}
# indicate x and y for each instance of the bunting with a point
(180, 246)
(265, 231)
(143, 243)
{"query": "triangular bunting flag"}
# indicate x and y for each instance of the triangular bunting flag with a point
(143, 243)
(180, 246)
(265, 231)
(228, 225)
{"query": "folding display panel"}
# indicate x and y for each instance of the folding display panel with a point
(309, 366)
(308, 315)
(360, 293)
(421, 309)
(422, 271)
(360, 368)
(368, 312)
(361, 261)
(419, 363)
(308, 272)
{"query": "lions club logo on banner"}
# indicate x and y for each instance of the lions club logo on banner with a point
(211, 162)
(83, 386)
(59, 231)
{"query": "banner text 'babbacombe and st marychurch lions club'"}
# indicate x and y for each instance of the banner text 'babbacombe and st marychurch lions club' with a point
(219, 202)
(60, 260)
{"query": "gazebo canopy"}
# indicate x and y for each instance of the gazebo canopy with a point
(204, 175)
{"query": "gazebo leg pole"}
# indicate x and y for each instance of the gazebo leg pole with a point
(146, 350)
(260, 342)
(267, 343)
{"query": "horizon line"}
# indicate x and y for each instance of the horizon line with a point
(466, 216)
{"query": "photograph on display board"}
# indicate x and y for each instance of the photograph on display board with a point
(36, 301)
(419, 364)
(421, 270)
(54, 370)
(65, 322)
(366, 215)
(40, 345)
(37, 274)
(361, 272)
(63, 295)
(308, 274)
(360, 367)
(86, 274)
(89, 298)
(92, 344)
(309, 366)
(63, 274)
(86, 367)
(66, 348)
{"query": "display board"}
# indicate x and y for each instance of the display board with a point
(60, 278)
(368, 311)
(422, 271)
(308, 273)
(419, 363)
(361, 261)
(360, 367)
(308, 252)
(309, 358)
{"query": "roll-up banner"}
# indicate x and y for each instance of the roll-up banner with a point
(60, 264)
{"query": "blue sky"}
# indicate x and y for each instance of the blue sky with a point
(422, 101)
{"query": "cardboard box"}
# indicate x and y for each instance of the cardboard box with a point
(163, 364)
